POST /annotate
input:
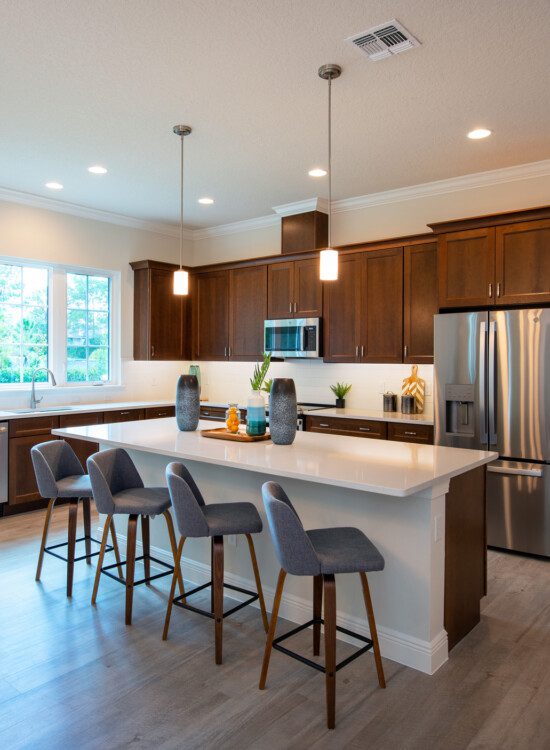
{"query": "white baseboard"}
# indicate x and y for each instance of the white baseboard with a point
(424, 656)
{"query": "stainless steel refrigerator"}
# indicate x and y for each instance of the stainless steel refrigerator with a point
(492, 391)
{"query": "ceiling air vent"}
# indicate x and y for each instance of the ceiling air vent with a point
(384, 40)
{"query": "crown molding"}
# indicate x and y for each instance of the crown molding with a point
(440, 187)
(301, 207)
(84, 212)
(247, 225)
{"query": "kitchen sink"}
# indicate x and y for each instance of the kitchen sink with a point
(44, 410)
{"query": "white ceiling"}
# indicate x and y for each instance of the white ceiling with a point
(104, 81)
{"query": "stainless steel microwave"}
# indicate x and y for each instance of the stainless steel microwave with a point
(295, 337)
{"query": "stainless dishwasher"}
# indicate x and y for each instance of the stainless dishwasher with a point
(3, 462)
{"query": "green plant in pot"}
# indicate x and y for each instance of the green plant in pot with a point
(255, 407)
(341, 390)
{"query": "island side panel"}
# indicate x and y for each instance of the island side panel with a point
(407, 595)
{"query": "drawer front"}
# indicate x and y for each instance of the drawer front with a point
(341, 426)
(212, 412)
(33, 426)
(159, 412)
(411, 433)
(80, 420)
(123, 415)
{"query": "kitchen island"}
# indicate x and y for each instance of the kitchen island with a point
(423, 506)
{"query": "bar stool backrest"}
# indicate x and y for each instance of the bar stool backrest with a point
(52, 461)
(187, 501)
(292, 545)
(111, 471)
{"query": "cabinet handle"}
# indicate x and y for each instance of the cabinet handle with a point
(225, 351)
(490, 289)
(405, 351)
(290, 307)
(229, 352)
(124, 413)
(357, 351)
(362, 350)
(321, 424)
(410, 432)
(364, 429)
(205, 413)
(152, 351)
(498, 289)
(295, 307)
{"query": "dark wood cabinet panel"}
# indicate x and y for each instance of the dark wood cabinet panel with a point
(308, 289)
(211, 312)
(382, 306)
(280, 290)
(42, 425)
(522, 254)
(343, 426)
(21, 482)
(411, 433)
(161, 318)
(159, 412)
(342, 311)
(420, 302)
(248, 310)
(123, 415)
(466, 263)
(302, 233)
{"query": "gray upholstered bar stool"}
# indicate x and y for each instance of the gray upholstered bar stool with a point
(118, 490)
(320, 553)
(215, 520)
(59, 474)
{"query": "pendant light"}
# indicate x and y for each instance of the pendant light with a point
(181, 277)
(328, 266)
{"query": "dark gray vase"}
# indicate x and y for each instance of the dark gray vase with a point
(282, 411)
(187, 403)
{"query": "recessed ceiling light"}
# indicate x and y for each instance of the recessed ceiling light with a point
(54, 185)
(479, 133)
(206, 201)
(97, 169)
(317, 172)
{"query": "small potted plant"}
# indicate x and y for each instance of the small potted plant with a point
(341, 390)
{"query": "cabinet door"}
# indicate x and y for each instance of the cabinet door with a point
(308, 289)
(411, 433)
(419, 302)
(21, 482)
(123, 415)
(280, 290)
(466, 264)
(342, 311)
(248, 310)
(212, 315)
(82, 448)
(523, 263)
(166, 311)
(382, 306)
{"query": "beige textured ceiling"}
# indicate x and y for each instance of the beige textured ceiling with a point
(98, 81)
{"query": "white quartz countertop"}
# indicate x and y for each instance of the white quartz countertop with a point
(374, 414)
(381, 466)
(53, 411)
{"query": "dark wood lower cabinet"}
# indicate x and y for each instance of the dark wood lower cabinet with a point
(353, 427)
(159, 412)
(411, 433)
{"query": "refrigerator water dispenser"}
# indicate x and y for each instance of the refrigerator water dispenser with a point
(460, 404)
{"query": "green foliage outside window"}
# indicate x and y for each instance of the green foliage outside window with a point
(88, 326)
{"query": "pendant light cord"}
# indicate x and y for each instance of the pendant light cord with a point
(329, 159)
(181, 206)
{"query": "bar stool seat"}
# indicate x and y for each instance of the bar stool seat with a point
(232, 518)
(150, 501)
(74, 486)
(345, 550)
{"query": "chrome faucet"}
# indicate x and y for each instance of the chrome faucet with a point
(35, 401)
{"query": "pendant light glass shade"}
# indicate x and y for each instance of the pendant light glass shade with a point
(181, 282)
(328, 258)
(181, 277)
(328, 267)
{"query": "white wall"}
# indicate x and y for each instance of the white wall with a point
(37, 234)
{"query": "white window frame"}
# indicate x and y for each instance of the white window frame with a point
(57, 329)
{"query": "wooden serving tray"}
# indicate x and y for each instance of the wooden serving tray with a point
(222, 433)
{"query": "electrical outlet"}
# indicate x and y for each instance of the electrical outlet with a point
(428, 389)
(232, 540)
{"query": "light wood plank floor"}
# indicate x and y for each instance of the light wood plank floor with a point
(72, 676)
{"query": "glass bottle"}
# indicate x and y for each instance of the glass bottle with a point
(233, 418)
(255, 414)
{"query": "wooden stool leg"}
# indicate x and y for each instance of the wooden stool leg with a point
(87, 527)
(317, 612)
(115, 546)
(172, 536)
(329, 586)
(101, 556)
(146, 545)
(173, 588)
(258, 581)
(71, 538)
(130, 565)
(45, 530)
(272, 626)
(373, 631)
(217, 585)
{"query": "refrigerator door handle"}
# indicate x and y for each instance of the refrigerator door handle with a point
(532, 472)
(482, 382)
(492, 382)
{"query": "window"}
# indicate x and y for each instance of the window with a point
(60, 318)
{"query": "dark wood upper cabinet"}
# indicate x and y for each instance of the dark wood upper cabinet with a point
(382, 306)
(280, 290)
(302, 233)
(467, 268)
(248, 310)
(161, 319)
(522, 255)
(308, 289)
(210, 292)
(420, 302)
(342, 311)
